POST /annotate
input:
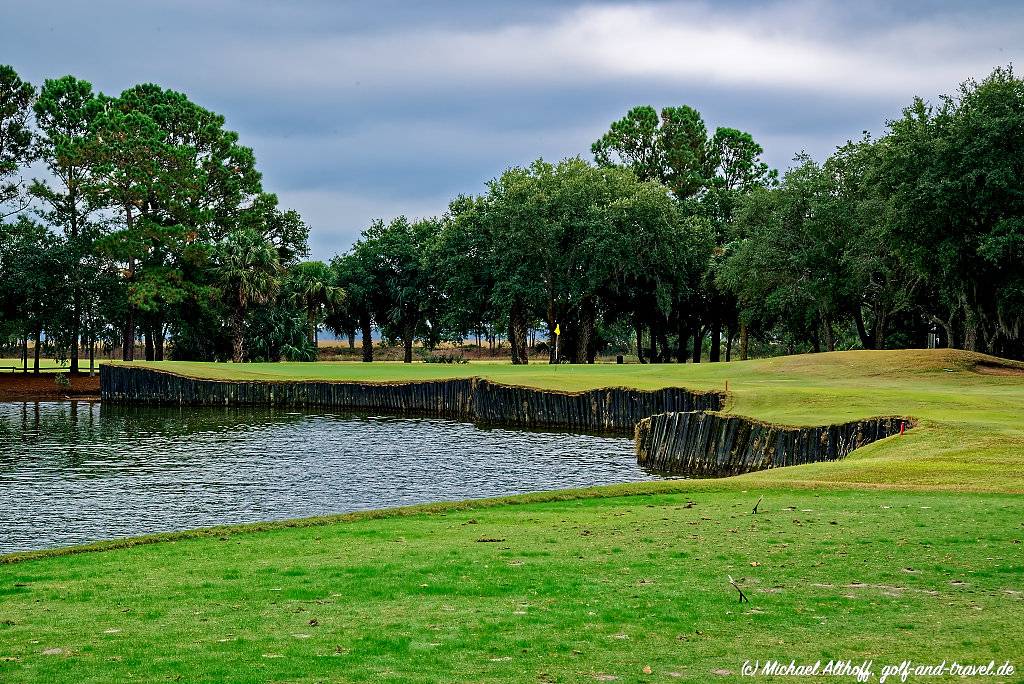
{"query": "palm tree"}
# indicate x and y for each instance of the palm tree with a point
(312, 286)
(248, 269)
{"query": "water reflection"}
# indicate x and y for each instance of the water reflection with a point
(72, 472)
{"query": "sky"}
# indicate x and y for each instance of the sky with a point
(368, 110)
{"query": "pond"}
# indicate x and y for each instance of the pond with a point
(76, 472)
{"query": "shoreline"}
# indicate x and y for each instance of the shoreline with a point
(749, 487)
(42, 387)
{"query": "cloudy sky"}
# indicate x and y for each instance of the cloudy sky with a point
(374, 109)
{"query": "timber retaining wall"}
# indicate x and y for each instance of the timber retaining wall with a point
(676, 430)
(615, 410)
(715, 445)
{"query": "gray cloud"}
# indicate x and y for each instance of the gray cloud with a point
(358, 111)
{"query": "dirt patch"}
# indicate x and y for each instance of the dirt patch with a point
(999, 369)
(42, 387)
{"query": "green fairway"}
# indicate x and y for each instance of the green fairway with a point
(566, 591)
(909, 549)
(44, 364)
(970, 436)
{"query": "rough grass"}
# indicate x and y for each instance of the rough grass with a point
(888, 555)
(970, 435)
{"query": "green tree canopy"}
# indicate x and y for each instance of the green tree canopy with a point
(15, 138)
(247, 268)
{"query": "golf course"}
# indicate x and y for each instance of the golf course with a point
(909, 549)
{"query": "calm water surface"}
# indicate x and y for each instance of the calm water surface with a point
(74, 472)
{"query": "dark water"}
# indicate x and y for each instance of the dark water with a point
(75, 472)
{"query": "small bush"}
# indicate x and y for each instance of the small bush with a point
(62, 380)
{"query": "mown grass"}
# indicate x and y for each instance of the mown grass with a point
(970, 435)
(908, 549)
(44, 363)
(567, 591)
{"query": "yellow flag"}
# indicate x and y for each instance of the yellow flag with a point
(558, 329)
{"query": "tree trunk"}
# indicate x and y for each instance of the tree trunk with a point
(24, 354)
(513, 344)
(729, 336)
(148, 336)
(715, 353)
(238, 335)
(128, 338)
(830, 338)
(311, 323)
(951, 331)
(744, 342)
(92, 355)
(74, 331)
(972, 338)
(38, 349)
(941, 334)
(524, 349)
(517, 335)
(682, 348)
(364, 323)
(351, 332)
(698, 342)
(866, 340)
(408, 332)
(585, 334)
(653, 354)
(639, 327)
(666, 349)
(76, 314)
(552, 338)
(158, 342)
(880, 329)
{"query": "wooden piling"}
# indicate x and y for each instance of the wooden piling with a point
(711, 444)
(610, 410)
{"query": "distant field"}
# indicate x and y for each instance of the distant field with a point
(971, 434)
(44, 364)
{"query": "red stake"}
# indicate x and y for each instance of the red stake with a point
(902, 425)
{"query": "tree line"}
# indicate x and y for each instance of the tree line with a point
(142, 217)
(676, 242)
(889, 241)
(679, 243)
